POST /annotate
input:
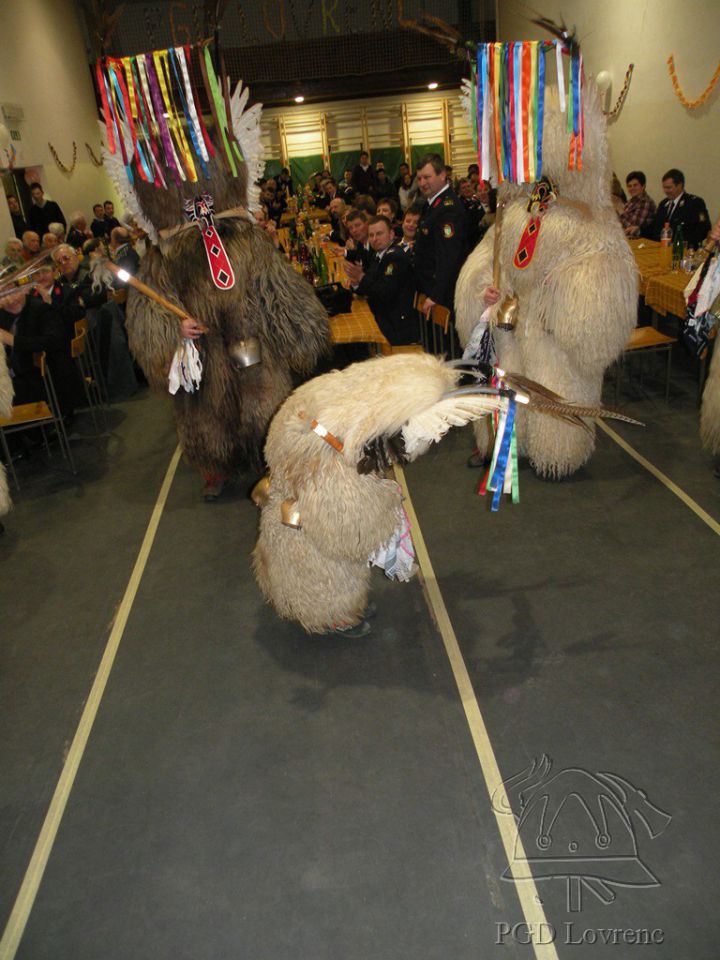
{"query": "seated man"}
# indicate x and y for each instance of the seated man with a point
(31, 245)
(72, 294)
(388, 283)
(357, 246)
(338, 214)
(13, 253)
(121, 250)
(49, 241)
(329, 193)
(410, 223)
(679, 209)
(640, 208)
(99, 226)
(389, 208)
(78, 233)
(30, 325)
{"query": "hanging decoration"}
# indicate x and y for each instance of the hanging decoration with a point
(97, 161)
(611, 114)
(691, 104)
(508, 97)
(153, 117)
(59, 162)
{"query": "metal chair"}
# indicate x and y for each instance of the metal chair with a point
(645, 340)
(93, 395)
(37, 415)
(93, 358)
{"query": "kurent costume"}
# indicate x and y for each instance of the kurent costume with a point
(567, 278)
(327, 507)
(263, 323)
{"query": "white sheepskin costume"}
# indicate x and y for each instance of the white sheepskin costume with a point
(577, 297)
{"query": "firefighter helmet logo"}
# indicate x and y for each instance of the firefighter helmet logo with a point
(579, 827)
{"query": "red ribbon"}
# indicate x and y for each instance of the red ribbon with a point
(525, 55)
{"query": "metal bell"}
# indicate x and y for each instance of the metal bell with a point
(260, 493)
(290, 514)
(246, 353)
(507, 314)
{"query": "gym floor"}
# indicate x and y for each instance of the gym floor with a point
(228, 787)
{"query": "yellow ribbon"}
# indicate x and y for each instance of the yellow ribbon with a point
(176, 130)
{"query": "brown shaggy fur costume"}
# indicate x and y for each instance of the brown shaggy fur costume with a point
(222, 426)
(577, 297)
(319, 574)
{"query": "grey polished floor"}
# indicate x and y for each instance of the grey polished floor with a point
(248, 791)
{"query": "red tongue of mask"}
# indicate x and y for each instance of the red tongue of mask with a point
(200, 211)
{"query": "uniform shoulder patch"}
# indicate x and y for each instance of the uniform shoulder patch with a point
(448, 202)
(448, 230)
(702, 218)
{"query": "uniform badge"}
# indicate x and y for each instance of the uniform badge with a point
(702, 217)
(389, 269)
(424, 230)
(448, 202)
(448, 230)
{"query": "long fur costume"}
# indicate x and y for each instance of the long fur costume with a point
(319, 575)
(6, 398)
(221, 427)
(577, 297)
(710, 411)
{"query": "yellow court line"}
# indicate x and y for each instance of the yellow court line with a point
(672, 487)
(524, 882)
(43, 847)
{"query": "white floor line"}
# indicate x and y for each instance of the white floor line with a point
(524, 883)
(672, 487)
(38, 862)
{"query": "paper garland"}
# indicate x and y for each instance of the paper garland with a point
(153, 117)
(509, 103)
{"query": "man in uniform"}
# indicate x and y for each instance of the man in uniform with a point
(388, 284)
(441, 244)
(357, 246)
(679, 209)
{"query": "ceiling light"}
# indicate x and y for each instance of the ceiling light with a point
(432, 86)
(299, 99)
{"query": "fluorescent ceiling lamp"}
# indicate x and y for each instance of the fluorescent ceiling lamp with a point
(299, 99)
(432, 86)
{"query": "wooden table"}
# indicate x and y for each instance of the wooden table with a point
(358, 326)
(661, 286)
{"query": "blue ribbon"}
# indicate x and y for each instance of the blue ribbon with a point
(540, 110)
(498, 477)
(121, 111)
(188, 118)
(481, 59)
(504, 101)
(576, 91)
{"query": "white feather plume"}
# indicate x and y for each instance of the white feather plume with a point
(246, 126)
(432, 424)
(466, 101)
(116, 171)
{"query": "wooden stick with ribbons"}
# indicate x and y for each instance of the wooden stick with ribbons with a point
(147, 291)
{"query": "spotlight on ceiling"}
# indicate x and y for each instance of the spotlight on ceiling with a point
(432, 86)
(299, 99)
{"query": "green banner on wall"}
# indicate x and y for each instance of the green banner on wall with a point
(302, 168)
(420, 149)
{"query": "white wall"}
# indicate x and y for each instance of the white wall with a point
(43, 67)
(654, 130)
